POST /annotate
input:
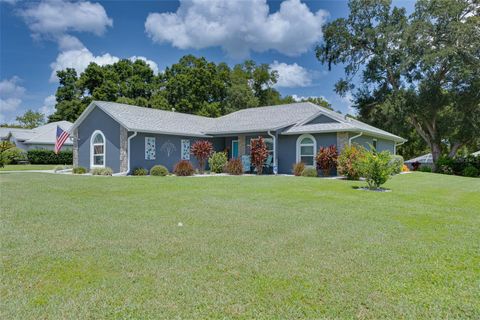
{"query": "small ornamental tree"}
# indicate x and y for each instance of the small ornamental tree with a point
(327, 159)
(376, 168)
(258, 153)
(201, 150)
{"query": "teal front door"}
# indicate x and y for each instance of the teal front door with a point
(234, 149)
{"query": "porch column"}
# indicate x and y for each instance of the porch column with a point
(241, 145)
(123, 149)
(75, 147)
(342, 140)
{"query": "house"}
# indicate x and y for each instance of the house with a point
(42, 137)
(124, 137)
(425, 161)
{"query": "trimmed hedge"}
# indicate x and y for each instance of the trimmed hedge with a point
(49, 157)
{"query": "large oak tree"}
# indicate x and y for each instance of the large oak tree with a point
(419, 72)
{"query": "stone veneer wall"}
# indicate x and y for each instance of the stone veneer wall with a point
(123, 149)
(342, 140)
(75, 147)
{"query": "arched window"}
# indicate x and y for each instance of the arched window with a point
(97, 149)
(306, 146)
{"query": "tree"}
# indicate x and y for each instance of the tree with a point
(4, 147)
(202, 149)
(418, 72)
(319, 101)
(258, 153)
(31, 119)
(69, 105)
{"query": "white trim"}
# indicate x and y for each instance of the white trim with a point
(92, 137)
(395, 145)
(237, 148)
(299, 139)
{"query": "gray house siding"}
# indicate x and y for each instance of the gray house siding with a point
(99, 120)
(137, 155)
(382, 144)
(321, 119)
(287, 148)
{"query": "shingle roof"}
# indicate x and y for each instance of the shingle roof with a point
(293, 115)
(45, 134)
(135, 118)
(263, 118)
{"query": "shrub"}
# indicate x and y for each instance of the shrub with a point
(425, 169)
(159, 170)
(49, 157)
(375, 167)
(445, 165)
(183, 168)
(234, 167)
(298, 168)
(405, 168)
(444, 169)
(4, 147)
(140, 171)
(12, 155)
(79, 170)
(309, 171)
(470, 171)
(258, 153)
(102, 171)
(201, 150)
(347, 162)
(327, 159)
(217, 162)
(396, 162)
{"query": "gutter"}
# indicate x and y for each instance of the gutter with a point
(274, 138)
(354, 137)
(396, 145)
(128, 156)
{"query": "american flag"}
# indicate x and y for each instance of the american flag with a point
(62, 136)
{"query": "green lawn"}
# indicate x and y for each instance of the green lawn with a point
(23, 167)
(250, 247)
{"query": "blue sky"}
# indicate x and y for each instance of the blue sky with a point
(37, 38)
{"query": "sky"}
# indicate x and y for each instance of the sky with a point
(38, 38)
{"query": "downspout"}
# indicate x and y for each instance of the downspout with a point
(128, 156)
(354, 137)
(275, 167)
(396, 145)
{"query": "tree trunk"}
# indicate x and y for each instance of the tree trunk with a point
(454, 149)
(436, 152)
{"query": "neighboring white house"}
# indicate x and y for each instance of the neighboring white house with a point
(39, 138)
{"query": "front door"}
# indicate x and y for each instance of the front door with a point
(234, 149)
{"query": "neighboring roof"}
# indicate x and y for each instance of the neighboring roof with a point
(293, 115)
(263, 118)
(141, 119)
(426, 158)
(47, 134)
(5, 132)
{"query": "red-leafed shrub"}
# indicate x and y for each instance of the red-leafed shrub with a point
(183, 168)
(258, 153)
(234, 166)
(201, 150)
(327, 159)
(298, 168)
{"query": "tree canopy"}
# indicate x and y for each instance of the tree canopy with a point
(31, 119)
(419, 74)
(192, 85)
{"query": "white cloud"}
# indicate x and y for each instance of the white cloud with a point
(54, 18)
(300, 98)
(238, 26)
(79, 59)
(11, 94)
(348, 100)
(291, 75)
(48, 105)
(153, 65)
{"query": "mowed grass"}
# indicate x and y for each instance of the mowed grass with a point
(24, 167)
(77, 247)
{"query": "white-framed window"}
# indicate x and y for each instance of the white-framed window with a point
(306, 147)
(97, 149)
(185, 149)
(150, 148)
